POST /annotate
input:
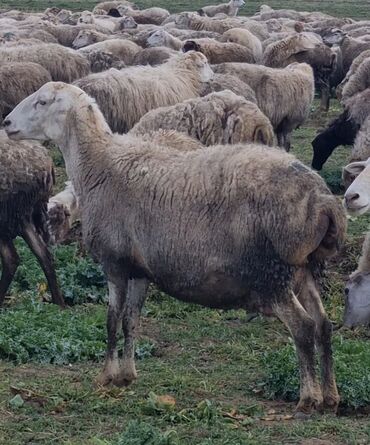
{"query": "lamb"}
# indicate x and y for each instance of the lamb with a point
(245, 38)
(220, 118)
(150, 16)
(154, 56)
(208, 215)
(17, 81)
(145, 88)
(284, 95)
(219, 52)
(26, 181)
(358, 81)
(62, 63)
(221, 82)
(343, 130)
(63, 213)
(125, 50)
(231, 9)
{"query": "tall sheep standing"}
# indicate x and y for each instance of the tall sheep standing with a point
(219, 118)
(231, 9)
(26, 179)
(233, 227)
(125, 96)
(284, 95)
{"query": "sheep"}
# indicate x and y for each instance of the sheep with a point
(123, 49)
(125, 96)
(245, 38)
(360, 32)
(63, 213)
(106, 7)
(154, 56)
(220, 82)
(267, 13)
(66, 34)
(26, 173)
(17, 81)
(219, 118)
(343, 130)
(284, 95)
(102, 61)
(150, 16)
(160, 37)
(231, 9)
(358, 81)
(219, 52)
(86, 18)
(62, 63)
(88, 37)
(305, 48)
(39, 34)
(242, 226)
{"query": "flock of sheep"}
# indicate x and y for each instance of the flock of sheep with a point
(175, 131)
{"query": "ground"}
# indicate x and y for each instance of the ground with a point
(207, 363)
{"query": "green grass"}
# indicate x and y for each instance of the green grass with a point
(224, 376)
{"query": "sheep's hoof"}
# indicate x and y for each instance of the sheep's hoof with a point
(104, 379)
(125, 377)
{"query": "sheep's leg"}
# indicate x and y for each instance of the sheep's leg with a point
(10, 262)
(117, 285)
(136, 295)
(45, 258)
(325, 98)
(310, 299)
(302, 328)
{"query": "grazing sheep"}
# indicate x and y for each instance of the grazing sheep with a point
(62, 63)
(245, 38)
(231, 9)
(284, 95)
(242, 226)
(26, 173)
(343, 130)
(63, 213)
(161, 37)
(358, 81)
(219, 52)
(150, 16)
(221, 82)
(125, 50)
(17, 81)
(154, 56)
(125, 96)
(105, 7)
(220, 118)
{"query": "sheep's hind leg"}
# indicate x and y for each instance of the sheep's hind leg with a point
(310, 299)
(42, 253)
(136, 295)
(10, 262)
(302, 328)
(117, 285)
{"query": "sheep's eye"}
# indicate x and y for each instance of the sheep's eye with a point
(42, 102)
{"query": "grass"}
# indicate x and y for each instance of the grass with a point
(205, 377)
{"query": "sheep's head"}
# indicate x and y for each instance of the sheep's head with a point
(124, 10)
(357, 301)
(53, 10)
(197, 61)
(237, 3)
(127, 23)
(157, 38)
(87, 18)
(191, 45)
(46, 114)
(84, 38)
(184, 19)
(357, 197)
(64, 15)
(334, 37)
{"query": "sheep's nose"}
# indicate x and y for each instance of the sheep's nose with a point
(351, 197)
(7, 123)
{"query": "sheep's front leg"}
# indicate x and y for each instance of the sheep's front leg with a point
(137, 290)
(10, 262)
(310, 299)
(302, 328)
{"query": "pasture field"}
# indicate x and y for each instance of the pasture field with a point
(205, 377)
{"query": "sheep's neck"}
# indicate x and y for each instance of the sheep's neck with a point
(85, 147)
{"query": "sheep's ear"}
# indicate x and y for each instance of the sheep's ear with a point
(355, 168)
(190, 45)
